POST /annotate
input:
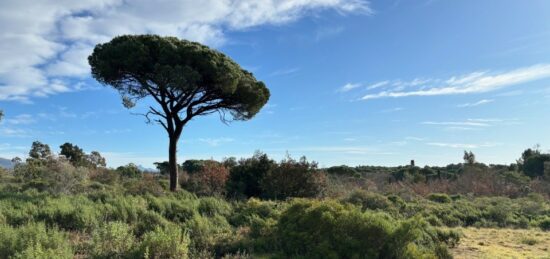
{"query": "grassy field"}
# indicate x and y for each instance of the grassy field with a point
(502, 243)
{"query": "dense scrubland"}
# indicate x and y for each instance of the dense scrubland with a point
(69, 205)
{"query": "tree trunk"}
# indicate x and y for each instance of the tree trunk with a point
(173, 163)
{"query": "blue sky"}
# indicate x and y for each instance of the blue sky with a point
(352, 82)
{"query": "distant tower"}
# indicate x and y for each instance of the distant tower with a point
(412, 163)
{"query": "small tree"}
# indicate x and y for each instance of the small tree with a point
(95, 160)
(40, 151)
(293, 178)
(186, 79)
(130, 170)
(245, 178)
(209, 180)
(73, 153)
(469, 158)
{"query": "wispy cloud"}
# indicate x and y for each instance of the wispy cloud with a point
(477, 82)
(361, 150)
(348, 87)
(458, 123)
(478, 103)
(473, 123)
(21, 119)
(462, 145)
(286, 71)
(396, 109)
(214, 142)
(378, 85)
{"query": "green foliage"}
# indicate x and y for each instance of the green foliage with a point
(39, 152)
(33, 241)
(170, 243)
(55, 176)
(314, 229)
(370, 200)
(177, 66)
(342, 170)
(469, 158)
(533, 166)
(544, 224)
(207, 179)
(112, 240)
(211, 206)
(439, 197)
(245, 178)
(130, 170)
(293, 178)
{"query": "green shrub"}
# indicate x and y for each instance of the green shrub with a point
(370, 200)
(439, 197)
(123, 208)
(206, 232)
(545, 224)
(112, 240)
(76, 213)
(149, 221)
(245, 178)
(208, 179)
(327, 229)
(293, 178)
(165, 243)
(210, 206)
(33, 241)
(245, 213)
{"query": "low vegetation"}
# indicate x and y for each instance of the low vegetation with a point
(58, 206)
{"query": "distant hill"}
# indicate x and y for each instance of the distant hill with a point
(6, 163)
(147, 170)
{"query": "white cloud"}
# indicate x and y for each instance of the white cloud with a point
(462, 145)
(477, 82)
(360, 150)
(287, 71)
(45, 43)
(478, 103)
(396, 109)
(378, 85)
(214, 142)
(21, 119)
(473, 124)
(348, 87)
(458, 123)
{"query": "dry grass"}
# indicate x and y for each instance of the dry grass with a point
(502, 243)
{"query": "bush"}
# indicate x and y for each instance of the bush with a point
(439, 197)
(327, 229)
(209, 179)
(211, 206)
(54, 176)
(165, 243)
(343, 171)
(292, 178)
(76, 213)
(369, 200)
(545, 224)
(206, 232)
(33, 241)
(146, 184)
(112, 240)
(245, 178)
(129, 170)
